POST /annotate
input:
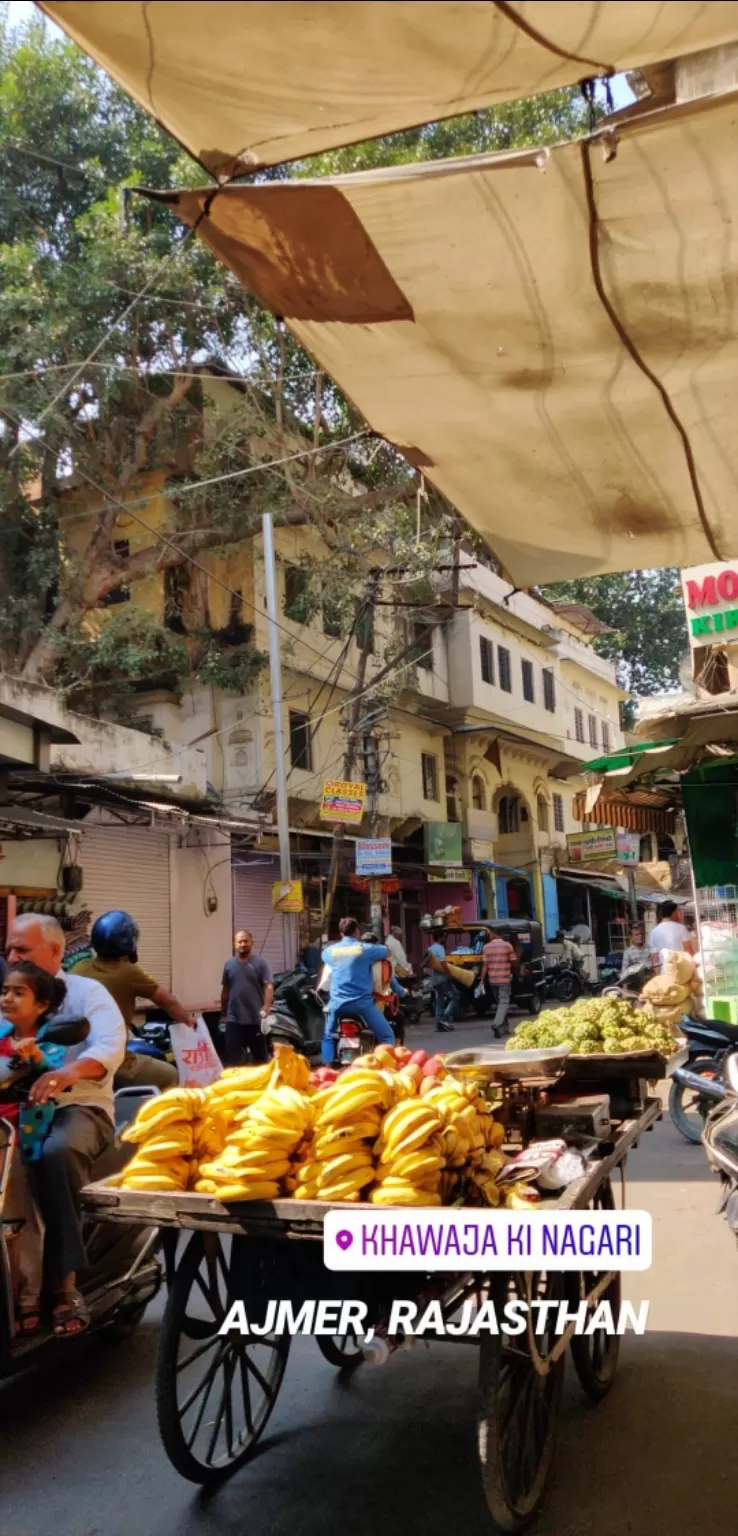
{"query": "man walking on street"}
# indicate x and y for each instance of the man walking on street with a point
(246, 998)
(445, 996)
(498, 959)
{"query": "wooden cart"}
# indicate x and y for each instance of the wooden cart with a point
(215, 1392)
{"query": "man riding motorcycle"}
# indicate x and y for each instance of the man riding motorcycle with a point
(114, 939)
(352, 986)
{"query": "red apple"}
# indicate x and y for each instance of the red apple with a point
(432, 1066)
(420, 1057)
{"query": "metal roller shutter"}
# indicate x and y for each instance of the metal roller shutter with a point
(252, 909)
(129, 868)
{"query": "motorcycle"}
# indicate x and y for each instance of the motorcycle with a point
(720, 1137)
(631, 983)
(297, 1016)
(709, 1041)
(564, 980)
(123, 1273)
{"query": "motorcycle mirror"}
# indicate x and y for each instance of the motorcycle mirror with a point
(63, 1032)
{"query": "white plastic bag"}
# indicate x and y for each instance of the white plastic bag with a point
(198, 1063)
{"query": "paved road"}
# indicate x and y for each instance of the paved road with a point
(394, 1449)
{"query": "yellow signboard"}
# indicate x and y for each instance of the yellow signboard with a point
(343, 800)
(287, 896)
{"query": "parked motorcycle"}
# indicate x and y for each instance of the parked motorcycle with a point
(564, 980)
(297, 1016)
(709, 1042)
(720, 1139)
(631, 983)
(123, 1273)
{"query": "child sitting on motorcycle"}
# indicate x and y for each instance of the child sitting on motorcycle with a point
(28, 999)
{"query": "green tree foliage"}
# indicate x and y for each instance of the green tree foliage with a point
(90, 270)
(646, 613)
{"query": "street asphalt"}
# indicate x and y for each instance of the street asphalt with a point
(393, 1449)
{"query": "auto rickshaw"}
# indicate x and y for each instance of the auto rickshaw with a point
(464, 945)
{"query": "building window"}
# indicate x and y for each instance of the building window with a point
(423, 646)
(527, 671)
(579, 725)
(558, 810)
(487, 658)
(176, 590)
(508, 813)
(119, 594)
(605, 736)
(295, 605)
(549, 691)
(301, 742)
(479, 799)
(593, 732)
(429, 766)
(504, 669)
(542, 813)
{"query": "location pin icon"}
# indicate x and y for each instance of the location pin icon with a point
(344, 1240)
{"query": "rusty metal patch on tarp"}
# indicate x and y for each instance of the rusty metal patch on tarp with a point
(301, 250)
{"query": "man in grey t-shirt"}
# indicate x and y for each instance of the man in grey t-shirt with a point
(246, 996)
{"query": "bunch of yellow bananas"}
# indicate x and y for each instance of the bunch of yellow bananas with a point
(258, 1150)
(290, 1068)
(411, 1155)
(163, 1131)
(337, 1162)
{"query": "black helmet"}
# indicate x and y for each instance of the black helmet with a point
(115, 936)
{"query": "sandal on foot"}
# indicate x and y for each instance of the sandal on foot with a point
(70, 1315)
(28, 1319)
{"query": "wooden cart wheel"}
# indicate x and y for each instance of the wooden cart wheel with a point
(518, 1410)
(214, 1394)
(596, 1357)
(343, 1351)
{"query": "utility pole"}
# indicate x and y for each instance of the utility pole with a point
(275, 669)
(349, 757)
(356, 705)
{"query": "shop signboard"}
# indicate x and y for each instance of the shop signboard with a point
(710, 595)
(374, 856)
(481, 852)
(343, 800)
(287, 896)
(628, 846)
(587, 847)
(453, 874)
(443, 842)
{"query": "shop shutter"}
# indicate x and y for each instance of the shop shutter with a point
(252, 908)
(128, 867)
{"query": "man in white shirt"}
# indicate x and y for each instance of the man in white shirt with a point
(83, 1125)
(397, 954)
(669, 933)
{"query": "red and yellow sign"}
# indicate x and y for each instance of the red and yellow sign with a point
(287, 896)
(343, 800)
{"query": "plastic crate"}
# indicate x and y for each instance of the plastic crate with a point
(723, 1009)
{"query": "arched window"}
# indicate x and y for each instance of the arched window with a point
(508, 812)
(479, 799)
(542, 813)
(646, 851)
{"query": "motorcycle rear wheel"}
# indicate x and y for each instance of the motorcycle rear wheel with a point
(684, 1102)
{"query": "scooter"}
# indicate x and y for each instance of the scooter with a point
(690, 1102)
(123, 1273)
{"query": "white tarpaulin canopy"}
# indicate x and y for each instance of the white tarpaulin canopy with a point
(267, 82)
(551, 336)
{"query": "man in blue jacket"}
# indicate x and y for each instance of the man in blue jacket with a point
(352, 986)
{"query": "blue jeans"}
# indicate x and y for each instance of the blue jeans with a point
(366, 1010)
(445, 1000)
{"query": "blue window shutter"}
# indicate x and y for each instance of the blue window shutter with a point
(551, 906)
(502, 907)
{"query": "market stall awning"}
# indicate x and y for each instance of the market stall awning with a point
(256, 84)
(607, 885)
(549, 336)
(634, 811)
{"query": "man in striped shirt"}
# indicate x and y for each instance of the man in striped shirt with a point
(498, 959)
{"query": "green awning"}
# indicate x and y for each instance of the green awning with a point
(627, 757)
